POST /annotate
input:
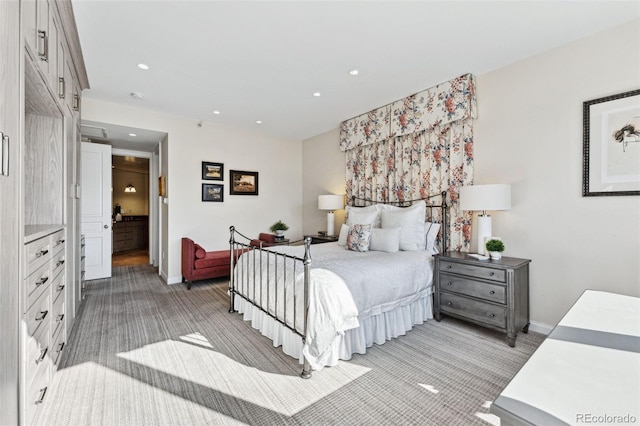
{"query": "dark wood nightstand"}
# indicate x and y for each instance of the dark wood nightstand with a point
(319, 239)
(491, 293)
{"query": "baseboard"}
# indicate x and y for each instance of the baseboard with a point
(539, 327)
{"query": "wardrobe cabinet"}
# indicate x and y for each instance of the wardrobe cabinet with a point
(42, 75)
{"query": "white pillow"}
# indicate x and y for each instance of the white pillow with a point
(431, 234)
(342, 238)
(411, 222)
(385, 239)
(363, 217)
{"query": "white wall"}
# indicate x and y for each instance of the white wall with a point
(529, 133)
(278, 161)
(323, 166)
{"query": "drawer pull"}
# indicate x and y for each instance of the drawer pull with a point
(42, 253)
(60, 318)
(449, 283)
(448, 266)
(492, 315)
(60, 347)
(43, 392)
(42, 315)
(492, 292)
(42, 281)
(491, 274)
(60, 262)
(42, 355)
(60, 287)
(449, 303)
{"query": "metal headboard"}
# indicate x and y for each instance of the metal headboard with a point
(363, 202)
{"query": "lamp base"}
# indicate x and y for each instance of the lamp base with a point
(330, 220)
(484, 231)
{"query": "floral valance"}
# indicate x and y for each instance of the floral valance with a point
(445, 103)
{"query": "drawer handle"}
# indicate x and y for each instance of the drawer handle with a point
(40, 399)
(42, 355)
(60, 241)
(492, 292)
(449, 303)
(491, 274)
(448, 266)
(60, 318)
(492, 315)
(60, 347)
(42, 315)
(42, 281)
(42, 253)
(60, 262)
(449, 283)
(60, 287)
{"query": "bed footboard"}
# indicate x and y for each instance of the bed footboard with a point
(275, 283)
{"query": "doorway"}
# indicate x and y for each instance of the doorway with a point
(130, 200)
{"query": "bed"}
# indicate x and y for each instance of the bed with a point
(327, 302)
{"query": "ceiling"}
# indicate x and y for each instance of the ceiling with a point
(121, 137)
(263, 60)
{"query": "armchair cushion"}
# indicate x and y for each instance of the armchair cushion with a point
(200, 252)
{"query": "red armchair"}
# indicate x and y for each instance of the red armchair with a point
(264, 240)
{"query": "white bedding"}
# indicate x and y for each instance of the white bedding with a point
(347, 289)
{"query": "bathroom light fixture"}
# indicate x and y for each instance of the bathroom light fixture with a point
(130, 188)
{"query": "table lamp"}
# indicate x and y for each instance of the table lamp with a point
(331, 203)
(483, 198)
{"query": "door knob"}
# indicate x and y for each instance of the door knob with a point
(106, 226)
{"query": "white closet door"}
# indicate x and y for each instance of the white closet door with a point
(95, 201)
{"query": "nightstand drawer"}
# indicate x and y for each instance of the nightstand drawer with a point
(469, 287)
(473, 309)
(483, 271)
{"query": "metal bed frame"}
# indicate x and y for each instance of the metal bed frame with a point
(242, 283)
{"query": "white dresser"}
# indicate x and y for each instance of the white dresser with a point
(587, 371)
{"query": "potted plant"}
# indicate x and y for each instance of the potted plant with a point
(495, 248)
(279, 227)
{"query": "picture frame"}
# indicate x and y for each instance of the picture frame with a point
(213, 192)
(243, 182)
(212, 171)
(611, 145)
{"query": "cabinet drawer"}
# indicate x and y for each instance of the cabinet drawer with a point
(38, 351)
(57, 286)
(37, 393)
(37, 253)
(486, 272)
(57, 241)
(474, 309)
(469, 287)
(123, 235)
(57, 317)
(38, 315)
(57, 264)
(57, 347)
(37, 283)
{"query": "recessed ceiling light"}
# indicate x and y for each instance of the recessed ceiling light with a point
(143, 66)
(259, 122)
(136, 95)
(216, 112)
(316, 94)
(132, 134)
(353, 72)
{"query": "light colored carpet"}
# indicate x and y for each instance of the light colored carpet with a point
(144, 353)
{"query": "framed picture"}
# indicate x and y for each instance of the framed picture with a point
(611, 145)
(162, 186)
(212, 192)
(212, 171)
(243, 183)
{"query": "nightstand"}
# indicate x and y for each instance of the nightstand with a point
(490, 293)
(319, 239)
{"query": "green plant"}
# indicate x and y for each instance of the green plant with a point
(495, 245)
(279, 226)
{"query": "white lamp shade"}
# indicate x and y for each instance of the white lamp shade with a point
(330, 202)
(485, 197)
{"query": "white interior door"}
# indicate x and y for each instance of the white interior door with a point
(96, 209)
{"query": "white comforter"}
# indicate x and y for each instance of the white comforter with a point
(344, 286)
